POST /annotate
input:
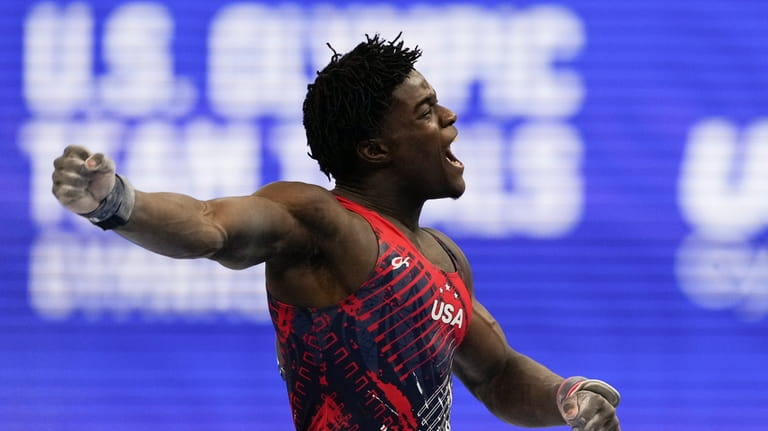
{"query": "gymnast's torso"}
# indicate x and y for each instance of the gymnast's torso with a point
(380, 359)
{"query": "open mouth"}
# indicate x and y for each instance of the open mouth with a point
(452, 159)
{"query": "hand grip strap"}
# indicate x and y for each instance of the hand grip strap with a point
(116, 208)
(572, 385)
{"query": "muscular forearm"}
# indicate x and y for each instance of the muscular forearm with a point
(514, 387)
(173, 225)
(170, 224)
(522, 392)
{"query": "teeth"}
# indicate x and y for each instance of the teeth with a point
(456, 163)
(452, 159)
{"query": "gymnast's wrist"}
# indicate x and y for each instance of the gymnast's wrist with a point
(116, 208)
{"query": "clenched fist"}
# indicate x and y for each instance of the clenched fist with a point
(588, 405)
(81, 180)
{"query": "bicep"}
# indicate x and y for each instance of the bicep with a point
(254, 229)
(484, 351)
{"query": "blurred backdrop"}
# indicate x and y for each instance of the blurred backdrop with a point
(616, 214)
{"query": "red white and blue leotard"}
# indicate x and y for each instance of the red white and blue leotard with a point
(381, 359)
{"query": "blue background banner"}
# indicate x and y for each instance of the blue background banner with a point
(616, 214)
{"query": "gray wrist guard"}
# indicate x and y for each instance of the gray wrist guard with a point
(115, 209)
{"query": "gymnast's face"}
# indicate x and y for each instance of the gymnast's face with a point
(419, 131)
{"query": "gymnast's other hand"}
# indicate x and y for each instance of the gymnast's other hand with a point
(81, 179)
(589, 405)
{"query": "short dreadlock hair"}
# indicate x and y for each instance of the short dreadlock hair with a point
(349, 98)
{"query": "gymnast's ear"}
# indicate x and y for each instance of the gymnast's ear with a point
(374, 151)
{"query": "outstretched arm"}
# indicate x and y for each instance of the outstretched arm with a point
(514, 387)
(237, 232)
(521, 391)
(518, 389)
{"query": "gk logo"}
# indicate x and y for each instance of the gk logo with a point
(399, 261)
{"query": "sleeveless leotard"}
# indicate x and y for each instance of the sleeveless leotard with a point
(381, 359)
